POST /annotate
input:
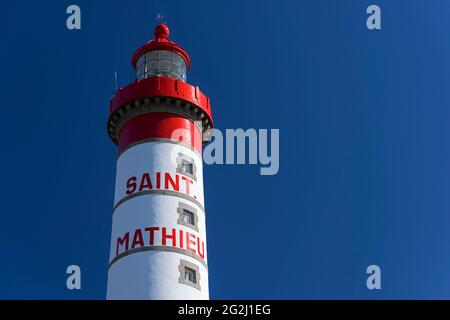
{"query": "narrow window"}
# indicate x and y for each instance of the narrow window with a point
(187, 216)
(186, 166)
(190, 275)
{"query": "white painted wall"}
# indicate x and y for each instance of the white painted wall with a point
(153, 157)
(153, 274)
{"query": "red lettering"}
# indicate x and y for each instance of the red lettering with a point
(181, 239)
(189, 242)
(172, 237)
(192, 243)
(188, 182)
(200, 253)
(131, 185)
(121, 241)
(152, 230)
(158, 180)
(175, 184)
(145, 182)
(137, 239)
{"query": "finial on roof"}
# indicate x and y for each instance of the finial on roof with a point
(161, 31)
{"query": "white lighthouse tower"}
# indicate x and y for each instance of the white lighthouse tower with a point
(158, 241)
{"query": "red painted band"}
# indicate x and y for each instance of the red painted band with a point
(160, 125)
(160, 87)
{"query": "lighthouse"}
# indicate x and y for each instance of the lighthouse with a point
(158, 240)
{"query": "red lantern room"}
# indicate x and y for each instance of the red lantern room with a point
(161, 66)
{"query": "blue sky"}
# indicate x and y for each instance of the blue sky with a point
(364, 153)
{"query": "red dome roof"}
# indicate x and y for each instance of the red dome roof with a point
(161, 42)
